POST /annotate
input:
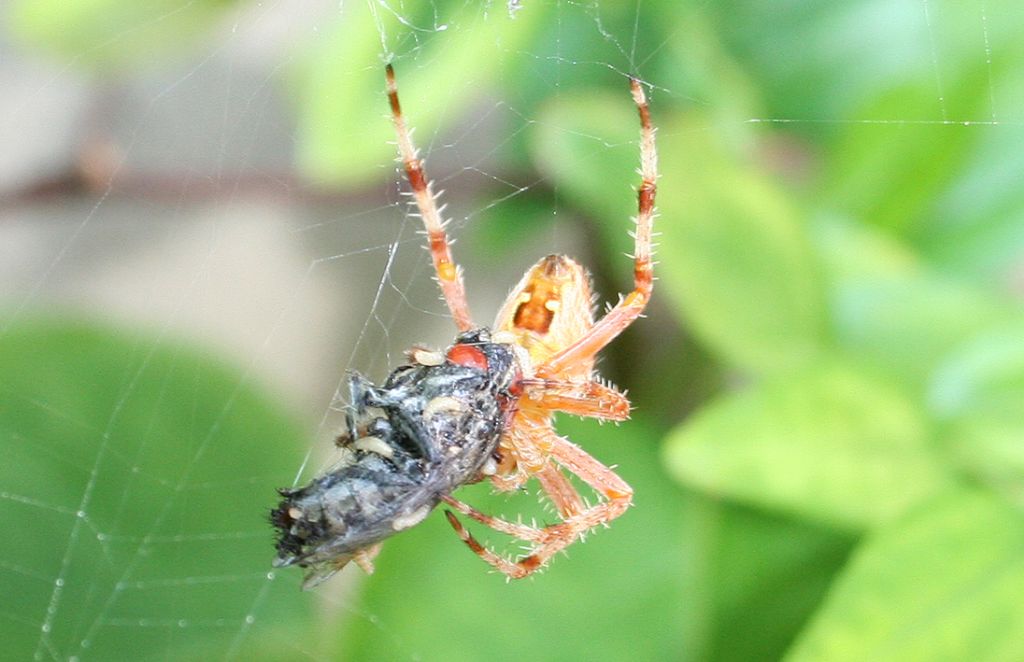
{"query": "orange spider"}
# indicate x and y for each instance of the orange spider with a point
(483, 409)
(548, 319)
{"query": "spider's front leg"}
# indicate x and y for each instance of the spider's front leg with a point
(449, 276)
(633, 304)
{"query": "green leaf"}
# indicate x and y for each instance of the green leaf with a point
(733, 256)
(985, 375)
(587, 144)
(908, 145)
(976, 227)
(124, 33)
(344, 133)
(907, 326)
(978, 396)
(831, 444)
(890, 173)
(736, 259)
(136, 478)
(944, 584)
(894, 313)
(766, 576)
(847, 50)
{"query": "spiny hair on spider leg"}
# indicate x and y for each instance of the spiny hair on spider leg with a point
(400, 464)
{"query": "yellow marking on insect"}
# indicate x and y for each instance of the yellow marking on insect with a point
(374, 445)
(442, 403)
(428, 358)
(410, 519)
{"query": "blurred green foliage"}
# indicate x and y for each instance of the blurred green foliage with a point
(132, 468)
(115, 34)
(847, 274)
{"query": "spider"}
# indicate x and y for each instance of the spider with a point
(482, 410)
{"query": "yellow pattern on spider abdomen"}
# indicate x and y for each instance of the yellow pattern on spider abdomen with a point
(549, 309)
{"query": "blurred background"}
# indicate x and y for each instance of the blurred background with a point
(202, 230)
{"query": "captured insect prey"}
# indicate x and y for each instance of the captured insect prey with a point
(436, 427)
(482, 410)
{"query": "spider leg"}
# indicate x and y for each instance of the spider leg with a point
(532, 427)
(550, 540)
(618, 495)
(511, 482)
(563, 495)
(514, 529)
(603, 480)
(512, 569)
(449, 276)
(633, 304)
(589, 399)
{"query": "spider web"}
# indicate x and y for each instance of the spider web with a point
(194, 225)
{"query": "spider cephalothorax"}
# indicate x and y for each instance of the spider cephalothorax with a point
(482, 410)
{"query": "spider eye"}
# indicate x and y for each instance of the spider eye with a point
(469, 356)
